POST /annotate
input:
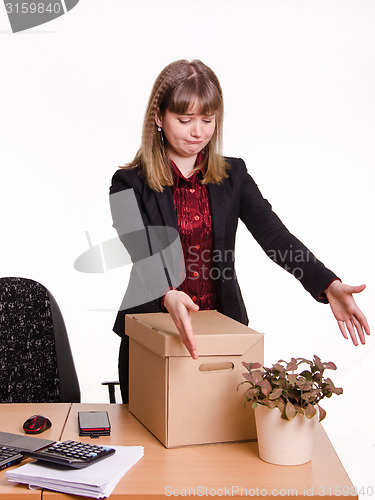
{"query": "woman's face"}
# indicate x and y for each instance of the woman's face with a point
(186, 134)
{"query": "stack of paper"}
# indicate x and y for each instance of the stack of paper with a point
(97, 480)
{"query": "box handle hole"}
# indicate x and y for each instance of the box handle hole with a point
(217, 367)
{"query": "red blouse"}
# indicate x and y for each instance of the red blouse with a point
(193, 211)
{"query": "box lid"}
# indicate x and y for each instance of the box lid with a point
(215, 334)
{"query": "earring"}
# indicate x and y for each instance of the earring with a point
(161, 135)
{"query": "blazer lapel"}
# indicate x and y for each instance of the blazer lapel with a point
(166, 206)
(218, 204)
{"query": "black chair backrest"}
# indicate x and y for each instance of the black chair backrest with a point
(36, 363)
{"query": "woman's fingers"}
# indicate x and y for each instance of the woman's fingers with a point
(180, 306)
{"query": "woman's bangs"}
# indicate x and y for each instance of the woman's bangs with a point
(184, 99)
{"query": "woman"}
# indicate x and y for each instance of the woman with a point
(181, 180)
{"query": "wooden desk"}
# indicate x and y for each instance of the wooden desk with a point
(219, 469)
(12, 416)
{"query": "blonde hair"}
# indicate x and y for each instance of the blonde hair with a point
(177, 86)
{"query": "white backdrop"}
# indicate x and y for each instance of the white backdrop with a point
(298, 78)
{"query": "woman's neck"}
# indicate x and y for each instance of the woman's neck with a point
(185, 165)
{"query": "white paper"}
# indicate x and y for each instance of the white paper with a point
(97, 480)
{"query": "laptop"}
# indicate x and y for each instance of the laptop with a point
(12, 446)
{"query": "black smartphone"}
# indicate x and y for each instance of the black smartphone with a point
(93, 423)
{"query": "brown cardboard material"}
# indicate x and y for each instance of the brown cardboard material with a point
(184, 401)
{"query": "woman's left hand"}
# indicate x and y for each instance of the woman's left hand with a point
(349, 317)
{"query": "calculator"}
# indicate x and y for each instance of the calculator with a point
(72, 454)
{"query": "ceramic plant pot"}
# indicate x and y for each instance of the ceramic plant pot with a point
(284, 442)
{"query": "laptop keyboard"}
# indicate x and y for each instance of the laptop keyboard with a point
(9, 456)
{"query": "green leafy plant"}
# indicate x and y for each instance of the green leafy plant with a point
(291, 392)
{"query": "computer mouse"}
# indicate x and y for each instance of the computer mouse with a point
(36, 424)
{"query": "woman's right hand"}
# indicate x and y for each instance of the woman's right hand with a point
(180, 306)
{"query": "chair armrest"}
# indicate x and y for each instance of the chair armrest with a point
(111, 390)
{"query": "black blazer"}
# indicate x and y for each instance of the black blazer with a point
(236, 197)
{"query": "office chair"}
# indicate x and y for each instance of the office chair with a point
(36, 363)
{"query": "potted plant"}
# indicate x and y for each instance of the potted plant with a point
(286, 400)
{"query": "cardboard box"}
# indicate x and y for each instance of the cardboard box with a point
(184, 401)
